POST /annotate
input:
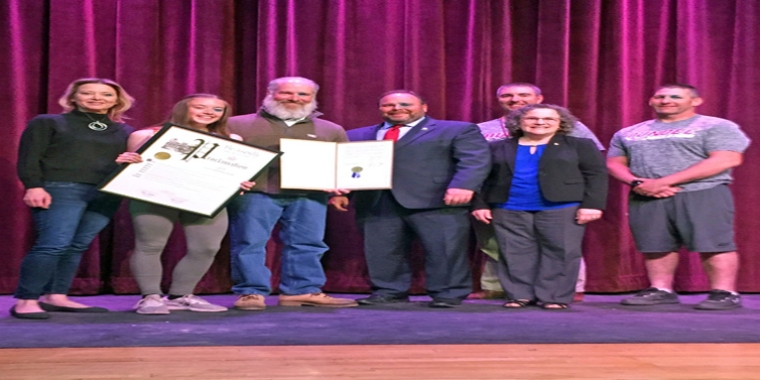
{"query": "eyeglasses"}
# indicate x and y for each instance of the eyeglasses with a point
(533, 119)
(398, 105)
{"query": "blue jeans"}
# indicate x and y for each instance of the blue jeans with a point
(77, 213)
(302, 231)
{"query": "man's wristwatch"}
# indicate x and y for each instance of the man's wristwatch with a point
(636, 182)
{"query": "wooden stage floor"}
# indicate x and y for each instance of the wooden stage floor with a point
(526, 361)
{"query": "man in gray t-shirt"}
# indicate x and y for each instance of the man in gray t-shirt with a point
(677, 166)
(513, 96)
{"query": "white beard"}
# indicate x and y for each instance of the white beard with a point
(276, 109)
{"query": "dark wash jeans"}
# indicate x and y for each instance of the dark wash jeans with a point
(77, 213)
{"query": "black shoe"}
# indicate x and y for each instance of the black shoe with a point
(37, 315)
(720, 300)
(377, 299)
(66, 309)
(445, 302)
(651, 296)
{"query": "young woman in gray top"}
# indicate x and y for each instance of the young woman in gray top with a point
(153, 223)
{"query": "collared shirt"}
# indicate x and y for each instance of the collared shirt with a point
(401, 131)
(292, 122)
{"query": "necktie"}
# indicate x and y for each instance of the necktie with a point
(392, 133)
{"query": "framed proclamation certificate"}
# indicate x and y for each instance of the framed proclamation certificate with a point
(189, 170)
(322, 165)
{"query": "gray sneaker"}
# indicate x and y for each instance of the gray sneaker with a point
(720, 300)
(651, 296)
(151, 304)
(193, 303)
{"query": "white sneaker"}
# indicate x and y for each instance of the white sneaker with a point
(152, 304)
(193, 303)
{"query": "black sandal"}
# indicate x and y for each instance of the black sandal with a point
(554, 306)
(517, 304)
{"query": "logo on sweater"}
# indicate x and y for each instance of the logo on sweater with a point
(495, 136)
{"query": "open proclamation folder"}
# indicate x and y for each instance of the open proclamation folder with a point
(321, 165)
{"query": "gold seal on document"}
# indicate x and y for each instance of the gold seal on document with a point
(357, 169)
(162, 156)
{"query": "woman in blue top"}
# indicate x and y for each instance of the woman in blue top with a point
(543, 188)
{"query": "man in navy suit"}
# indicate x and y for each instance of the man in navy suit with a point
(437, 166)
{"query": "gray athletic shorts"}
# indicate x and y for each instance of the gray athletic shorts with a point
(702, 220)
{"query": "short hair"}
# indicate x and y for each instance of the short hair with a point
(180, 114)
(535, 88)
(402, 91)
(115, 113)
(690, 88)
(566, 123)
(274, 84)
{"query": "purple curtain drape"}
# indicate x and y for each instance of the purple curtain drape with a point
(602, 59)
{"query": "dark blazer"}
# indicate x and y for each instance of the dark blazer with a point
(571, 169)
(433, 156)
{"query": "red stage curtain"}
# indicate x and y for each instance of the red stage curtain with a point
(602, 59)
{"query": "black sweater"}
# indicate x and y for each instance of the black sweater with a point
(62, 148)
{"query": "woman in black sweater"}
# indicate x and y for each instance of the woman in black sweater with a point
(62, 158)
